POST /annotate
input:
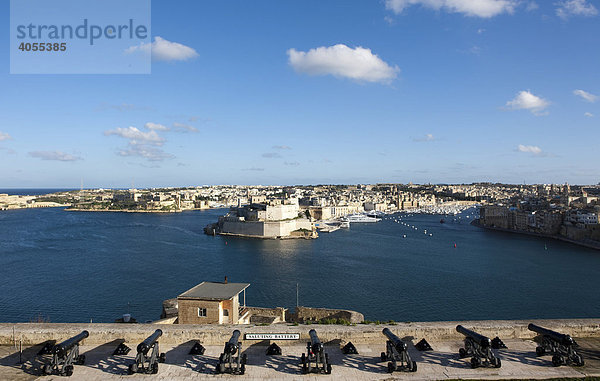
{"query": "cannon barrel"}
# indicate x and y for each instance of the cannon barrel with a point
(316, 344)
(395, 340)
(145, 345)
(62, 348)
(483, 341)
(560, 337)
(232, 344)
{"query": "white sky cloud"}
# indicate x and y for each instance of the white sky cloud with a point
(589, 114)
(136, 136)
(282, 147)
(145, 151)
(529, 149)
(426, 138)
(4, 136)
(156, 127)
(164, 50)
(54, 155)
(525, 100)
(569, 8)
(180, 127)
(585, 95)
(271, 155)
(475, 8)
(141, 143)
(359, 64)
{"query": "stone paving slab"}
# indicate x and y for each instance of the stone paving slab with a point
(518, 361)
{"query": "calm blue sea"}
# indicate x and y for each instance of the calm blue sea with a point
(80, 266)
(33, 191)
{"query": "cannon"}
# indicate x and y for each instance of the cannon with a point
(561, 346)
(396, 351)
(232, 360)
(315, 360)
(479, 347)
(145, 363)
(64, 355)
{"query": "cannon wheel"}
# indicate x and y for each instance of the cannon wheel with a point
(413, 366)
(383, 357)
(462, 353)
(244, 359)
(539, 351)
(133, 368)
(221, 368)
(579, 361)
(497, 363)
(47, 369)
(155, 368)
(68, 371)
(557, 360)
(243, 368)
(328, 368)
(475, 362)
(390, 367)
(80, 359)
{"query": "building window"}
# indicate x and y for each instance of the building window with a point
(201, 312)
(225, 312)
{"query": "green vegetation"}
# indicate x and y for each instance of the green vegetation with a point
(58, 200)
(378, 322)
(328, 321)
(335, 321)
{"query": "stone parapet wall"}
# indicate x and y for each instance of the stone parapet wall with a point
(304, 314)
(35, 333)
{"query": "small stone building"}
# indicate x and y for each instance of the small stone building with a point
(214, 303)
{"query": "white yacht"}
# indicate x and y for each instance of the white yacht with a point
(375, 214)
(359, 218)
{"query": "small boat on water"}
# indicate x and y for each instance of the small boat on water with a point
(375, 214)
(359, 218)
(442, 221)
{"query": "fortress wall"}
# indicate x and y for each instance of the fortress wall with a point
(35, 333)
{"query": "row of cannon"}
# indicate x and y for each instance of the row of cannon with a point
(316, 360)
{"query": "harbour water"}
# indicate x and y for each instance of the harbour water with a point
(61, 266)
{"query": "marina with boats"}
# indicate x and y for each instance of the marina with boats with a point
(449, 213)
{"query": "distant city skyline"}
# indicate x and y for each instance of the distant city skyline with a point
(312, 92)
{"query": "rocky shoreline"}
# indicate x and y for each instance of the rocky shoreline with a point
(589, 245)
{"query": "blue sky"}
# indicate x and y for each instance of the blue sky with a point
(305, 92)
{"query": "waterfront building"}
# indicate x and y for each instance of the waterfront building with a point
(214, 303)
(275, 219)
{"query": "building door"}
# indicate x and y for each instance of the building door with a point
(225, 316)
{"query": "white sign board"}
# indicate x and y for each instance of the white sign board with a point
(272, 336)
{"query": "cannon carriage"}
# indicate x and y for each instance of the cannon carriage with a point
(397, 354)
(145, 363)
(561, 346)
(64, 355)
(232, 360)
(479, 347)
(315, 360)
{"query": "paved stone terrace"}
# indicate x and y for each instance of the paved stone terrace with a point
(518, 361)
